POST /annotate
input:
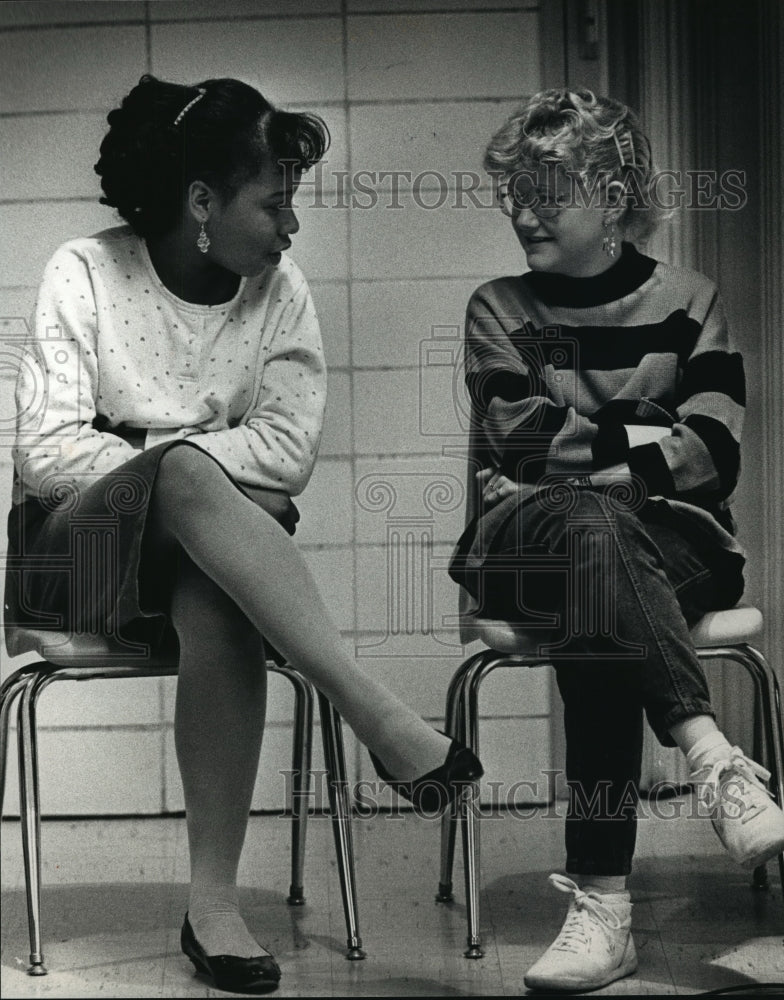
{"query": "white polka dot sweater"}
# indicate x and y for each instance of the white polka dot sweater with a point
(117, 364)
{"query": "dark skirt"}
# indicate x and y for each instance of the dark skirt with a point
(80, 561)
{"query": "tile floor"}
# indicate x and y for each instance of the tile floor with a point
(115, 893)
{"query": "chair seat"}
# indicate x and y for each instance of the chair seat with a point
(725, 628)
(717, 628)
(62, 649)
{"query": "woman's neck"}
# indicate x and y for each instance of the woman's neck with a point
(187, 273)
(626, 274)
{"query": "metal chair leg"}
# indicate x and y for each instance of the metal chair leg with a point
(756, 664)
(10, 689)
(469, 800)
(302, 755)
(463, 721)
(454, 730)
(31, 815)
(340, 808)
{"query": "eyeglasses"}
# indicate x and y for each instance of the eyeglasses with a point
(543, 203)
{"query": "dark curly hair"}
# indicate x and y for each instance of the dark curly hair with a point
(152, 151)
(590, 135)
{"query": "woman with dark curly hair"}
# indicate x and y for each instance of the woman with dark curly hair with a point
(178, 359)
(608, 402)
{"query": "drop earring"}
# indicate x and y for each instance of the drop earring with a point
(610, 243)
(203, 242)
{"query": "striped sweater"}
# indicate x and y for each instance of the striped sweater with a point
(629, 370)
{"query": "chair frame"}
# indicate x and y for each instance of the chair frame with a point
(462, 719)
(26, 686)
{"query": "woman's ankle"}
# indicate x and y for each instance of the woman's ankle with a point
(218, 926)
(688, 732)
(602, 883)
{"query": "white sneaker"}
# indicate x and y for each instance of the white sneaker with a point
(745, 817)
(595, 946)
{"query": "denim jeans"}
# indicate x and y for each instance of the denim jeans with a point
(618, 591)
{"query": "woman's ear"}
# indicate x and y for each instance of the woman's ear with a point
(200, 201)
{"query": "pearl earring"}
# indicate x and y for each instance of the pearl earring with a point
(203, 242)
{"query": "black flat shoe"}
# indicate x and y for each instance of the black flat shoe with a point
(435, 790)
(228, 972)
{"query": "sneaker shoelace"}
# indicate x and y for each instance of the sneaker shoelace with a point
(742, 765)
(574, 933)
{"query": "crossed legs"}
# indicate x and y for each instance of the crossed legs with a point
(240, 577)
(627, 587)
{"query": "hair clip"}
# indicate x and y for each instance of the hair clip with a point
(634, 154)
(617, 144)
(621, 157)
(189, 105)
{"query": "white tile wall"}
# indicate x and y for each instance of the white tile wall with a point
(121, 702)
(17, 303)
(34, 231)
(402, 411)
(405, 591)
(422, 680)
(326, 505)
(189, 10)
(48, 12)
(445, 55)
(69, 69)
(403, 85)
(437, 240)
(336, 438)
(273, 785)
(395, 321)
(386, 6)
(515, 755)
(51, 155)
(442, 137)
(390, 491)
(320, 247)
(103, 771)
(331, 302)
(333, 571)
(276, 56)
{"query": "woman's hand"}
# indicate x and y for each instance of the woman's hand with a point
(495, 487)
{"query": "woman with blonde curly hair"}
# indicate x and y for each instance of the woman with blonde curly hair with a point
(607, 403)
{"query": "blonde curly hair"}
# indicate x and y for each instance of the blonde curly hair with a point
(589, 136)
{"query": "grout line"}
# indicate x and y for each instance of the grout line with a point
(350, 319)
(38, 113)
(315, 100)
(244, 18)
(13, 29)
(141, 21)
(408, 11)
(456, 99)
(79, 198)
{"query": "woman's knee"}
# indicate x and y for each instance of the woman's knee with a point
(189, 492)
(558, 518)
(181, 470)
